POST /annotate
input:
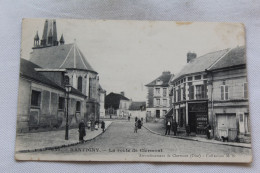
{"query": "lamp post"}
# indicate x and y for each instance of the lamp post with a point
(68, 90)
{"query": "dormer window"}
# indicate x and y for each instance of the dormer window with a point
(158, 82)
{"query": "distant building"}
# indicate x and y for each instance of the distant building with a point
(212, 89)
(54, 64)
(158, 99)
(117, 104)
(137, 109)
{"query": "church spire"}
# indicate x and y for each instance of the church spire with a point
(36, 40)
(49, 35)
(44, 34)
(54, 36)
(62, 39)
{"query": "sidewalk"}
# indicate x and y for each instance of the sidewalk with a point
(159, 130)
(28, 142)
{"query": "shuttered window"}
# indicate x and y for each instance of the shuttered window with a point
(224, 92)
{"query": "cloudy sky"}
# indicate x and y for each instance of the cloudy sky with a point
(129, 54)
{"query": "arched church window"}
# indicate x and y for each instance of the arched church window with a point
(80, 83)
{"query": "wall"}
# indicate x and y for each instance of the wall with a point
(137, 113)
(150, 97)
(24, 97)
(235, 104)
(46, 116)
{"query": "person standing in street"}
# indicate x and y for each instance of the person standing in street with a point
(168, 127)
(103, 126)
(208, 130)
(136, 126)
(82, 131)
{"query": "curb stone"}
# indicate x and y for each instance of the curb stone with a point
(61, 146)
(195, 139)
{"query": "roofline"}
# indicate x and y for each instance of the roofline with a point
(225, 68)
(49, 70)
(37, 81)
(51, 86)
(166, 85)
(214, 63)
(82, 70)
(209, 66)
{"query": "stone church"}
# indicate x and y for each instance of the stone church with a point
(52, 65)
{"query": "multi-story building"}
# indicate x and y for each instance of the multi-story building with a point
(228, 96)
(60, 64)
(158, 99)
(212, 89)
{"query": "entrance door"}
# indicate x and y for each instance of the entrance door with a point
(192, 122)
(157, 113)
(227, 126)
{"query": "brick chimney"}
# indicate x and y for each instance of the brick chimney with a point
(122, 93)
(191, 56)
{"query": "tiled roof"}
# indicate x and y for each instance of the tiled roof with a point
(201, 63)
(165, 77)
(137, 105)
(27, 70)
(67, 56)
(113, 100)
(236, 56)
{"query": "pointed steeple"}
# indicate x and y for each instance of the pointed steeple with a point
(44, 34)
(62, 40)
(36, 40)
(54, 36)
(36, 37)
(49, 35)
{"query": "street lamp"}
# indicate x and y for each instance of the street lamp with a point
(68, 90)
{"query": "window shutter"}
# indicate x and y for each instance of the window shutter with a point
(222, 92)
(226, 92)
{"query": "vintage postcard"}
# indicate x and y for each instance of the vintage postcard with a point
(133, 91)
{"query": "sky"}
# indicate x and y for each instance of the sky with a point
(129, 54)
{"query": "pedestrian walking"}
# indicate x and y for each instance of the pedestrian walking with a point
(136, 126)
(82, 131)
(128, 117)
(136, 119)
(103, 125)
(208, 130)
(168, 127)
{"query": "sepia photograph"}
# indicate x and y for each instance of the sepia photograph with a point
(133, 91)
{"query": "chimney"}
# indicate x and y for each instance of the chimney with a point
(191, 56)
(122, 93)
(166, 73)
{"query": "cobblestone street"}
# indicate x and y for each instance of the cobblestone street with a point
(120, 138)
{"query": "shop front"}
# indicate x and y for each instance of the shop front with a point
(198, 117)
